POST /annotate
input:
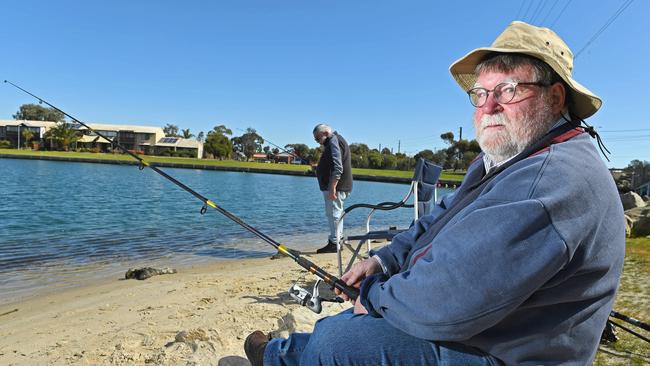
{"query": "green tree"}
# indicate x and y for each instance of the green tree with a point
(200, 137)
(63, 135)
(300, 150)
(448, 137)
(217, 143)
(375, 159)
(474, 146)
(440, 157)
(404, 162)
(249, 143)
(313, 156)
(171, 130)
(425, 154)
(27, 135)
(186, 134)
(359, 149)
(390, 161)
(36, 112)
(468, 157)
(359, 154)
(222, 129)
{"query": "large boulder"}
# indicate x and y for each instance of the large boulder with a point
(628, 225)
(631, 200)
(640, 217)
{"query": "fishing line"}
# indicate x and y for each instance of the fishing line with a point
(333, 281)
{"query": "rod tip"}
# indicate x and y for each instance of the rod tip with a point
(5, 81)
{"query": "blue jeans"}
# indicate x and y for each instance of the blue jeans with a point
(333, 211)
(349, 339)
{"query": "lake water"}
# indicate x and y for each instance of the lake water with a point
(63, 224)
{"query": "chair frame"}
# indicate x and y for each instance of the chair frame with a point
(367, 237)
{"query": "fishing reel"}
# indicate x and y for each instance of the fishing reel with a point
(312, 300)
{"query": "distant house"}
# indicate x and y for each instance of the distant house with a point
(260, 158)
(283, 158)
(190, 148)
(12, 131)
(138, 139)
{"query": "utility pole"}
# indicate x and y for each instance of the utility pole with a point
(379, 147)
(399, 144)
(460, 137)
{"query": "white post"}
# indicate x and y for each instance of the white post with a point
(414, 186)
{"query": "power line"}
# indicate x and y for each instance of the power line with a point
(625, 137)
(549, 12)
(537, 11)
(629, 138)
(528, 8)
(607, 24)
(633, 130)
(520, 8)
(561, 12)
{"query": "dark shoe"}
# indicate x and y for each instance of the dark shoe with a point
(254, 347)
(329, 248)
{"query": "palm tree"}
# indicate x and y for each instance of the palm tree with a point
(64, 135)
(187, 134)
(27, 135)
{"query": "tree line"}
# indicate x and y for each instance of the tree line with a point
(220, 143)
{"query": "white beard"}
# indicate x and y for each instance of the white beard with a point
(516, 136)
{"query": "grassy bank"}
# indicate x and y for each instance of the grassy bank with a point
(633, 299)
(448, 176)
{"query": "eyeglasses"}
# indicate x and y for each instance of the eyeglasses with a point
(503, 93)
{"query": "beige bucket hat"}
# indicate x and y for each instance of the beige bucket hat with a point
(541, 43)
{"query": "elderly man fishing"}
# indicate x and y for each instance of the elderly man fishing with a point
(520, 265)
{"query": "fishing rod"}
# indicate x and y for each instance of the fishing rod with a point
(637, 322)
(333, 281)
(630, 320)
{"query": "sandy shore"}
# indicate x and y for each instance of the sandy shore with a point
(199, 316)
(202, 314)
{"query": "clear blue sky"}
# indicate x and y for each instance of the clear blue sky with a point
(377, 71)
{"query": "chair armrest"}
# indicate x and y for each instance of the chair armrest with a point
(384, 206)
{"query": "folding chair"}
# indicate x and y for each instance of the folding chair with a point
(423, 190)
